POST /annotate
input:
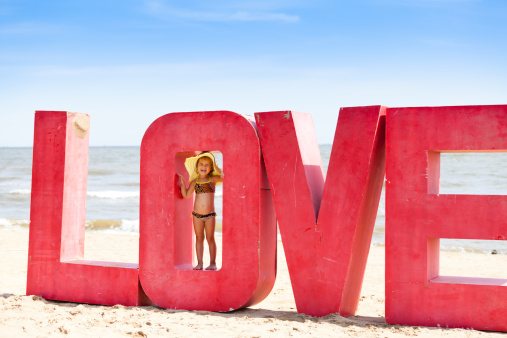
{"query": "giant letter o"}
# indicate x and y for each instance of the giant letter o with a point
(249, 226)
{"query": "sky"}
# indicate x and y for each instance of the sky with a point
(128, 62)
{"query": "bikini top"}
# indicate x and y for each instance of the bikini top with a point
(204, 187)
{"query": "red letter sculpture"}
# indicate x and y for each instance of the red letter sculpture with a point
(417, 216)
(57, 221)
(249, 225)
(326, 231)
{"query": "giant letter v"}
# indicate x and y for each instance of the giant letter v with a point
(326, 228)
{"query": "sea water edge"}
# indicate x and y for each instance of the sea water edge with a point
(113, 190)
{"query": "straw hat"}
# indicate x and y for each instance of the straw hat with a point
(191, 165)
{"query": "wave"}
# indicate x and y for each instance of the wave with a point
(131, 226)
(113, 194)
(20, 192)
(123, 226)
(14, 223)
(472, 249)
(8, 181)
(107, 194)
(99, 172)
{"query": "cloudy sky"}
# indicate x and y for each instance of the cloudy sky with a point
(127, 62)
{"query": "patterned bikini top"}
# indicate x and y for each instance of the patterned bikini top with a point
(204, 187)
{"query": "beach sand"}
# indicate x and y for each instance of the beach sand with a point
(33, 316)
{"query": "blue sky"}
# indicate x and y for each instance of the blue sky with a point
(128, 62)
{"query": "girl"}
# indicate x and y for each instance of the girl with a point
(204, 175)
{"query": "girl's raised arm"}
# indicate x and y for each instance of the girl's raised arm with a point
(186, 193)
(218, 179)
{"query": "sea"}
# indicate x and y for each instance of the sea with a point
(112, 204)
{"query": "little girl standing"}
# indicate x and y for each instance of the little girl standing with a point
(204, 176)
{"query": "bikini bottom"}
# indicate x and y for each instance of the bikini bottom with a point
(204, 217)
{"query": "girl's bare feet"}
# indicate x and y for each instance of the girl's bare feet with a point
(198, 267)
(212, 266)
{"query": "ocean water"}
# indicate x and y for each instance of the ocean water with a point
(113, 190)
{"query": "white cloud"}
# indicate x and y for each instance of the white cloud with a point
(433, 1)
(241, 14)
(262, 16)
(421, 3)
(262, 5)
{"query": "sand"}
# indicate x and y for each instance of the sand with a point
(33, 316)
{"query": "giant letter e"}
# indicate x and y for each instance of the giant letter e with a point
(418, 216)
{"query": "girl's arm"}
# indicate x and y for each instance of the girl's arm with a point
(186, 193)
(217, 179)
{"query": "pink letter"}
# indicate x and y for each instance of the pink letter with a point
(418, 216)
(56, 269)
(249, 226)
(326, 231)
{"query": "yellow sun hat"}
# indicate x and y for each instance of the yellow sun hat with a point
(191, 165)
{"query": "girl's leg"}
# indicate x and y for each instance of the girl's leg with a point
(199, 242)
(209, 226)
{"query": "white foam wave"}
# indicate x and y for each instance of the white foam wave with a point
(107, 194)
(5, 222)
(127, 226)
(13, 223)
(112, 194)
(21, 192)
(13, 182)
